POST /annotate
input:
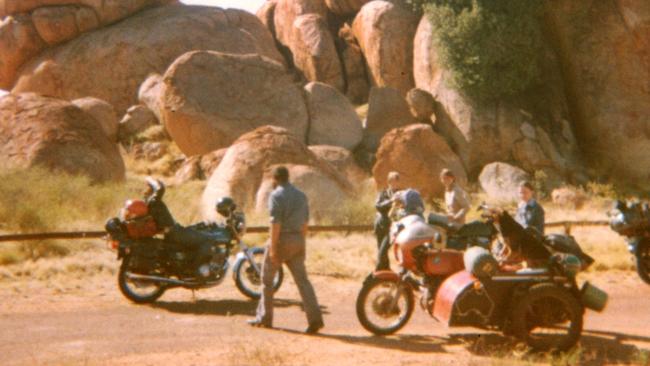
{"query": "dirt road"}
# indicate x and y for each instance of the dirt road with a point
(90, 323)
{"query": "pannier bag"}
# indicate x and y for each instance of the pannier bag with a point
(139, 224)
(141, 227)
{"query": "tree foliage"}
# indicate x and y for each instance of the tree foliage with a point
(492, 48)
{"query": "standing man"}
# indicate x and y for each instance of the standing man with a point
(456, 199)
(289, 211)
(383, 205)
(529, 212)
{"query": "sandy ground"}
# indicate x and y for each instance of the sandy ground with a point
(88, 322)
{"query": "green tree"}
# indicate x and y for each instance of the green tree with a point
(492, 48)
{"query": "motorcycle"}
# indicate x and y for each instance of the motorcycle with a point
(632, 220)
(475, 289)
(151, 265)
(476, 233)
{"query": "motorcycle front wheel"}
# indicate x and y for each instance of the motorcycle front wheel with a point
(248, 280)
(140, 292)
(642, 256)
(384, 306)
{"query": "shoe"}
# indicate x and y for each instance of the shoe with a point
(258, 324)
(314, 328)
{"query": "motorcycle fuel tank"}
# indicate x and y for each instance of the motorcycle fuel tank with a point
(416, 230)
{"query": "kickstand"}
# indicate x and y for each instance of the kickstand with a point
(193, 296)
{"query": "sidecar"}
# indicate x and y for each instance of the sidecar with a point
(541, 308)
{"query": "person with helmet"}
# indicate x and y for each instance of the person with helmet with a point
(406, 202)
(198, 242)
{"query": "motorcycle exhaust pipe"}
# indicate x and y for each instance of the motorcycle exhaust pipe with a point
(168, 281)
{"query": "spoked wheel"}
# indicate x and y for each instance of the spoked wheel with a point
(383, 306)
(140, 292)
(248, 281)
(548, 317)
(643, 261)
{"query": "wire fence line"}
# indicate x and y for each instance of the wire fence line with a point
(346, 229)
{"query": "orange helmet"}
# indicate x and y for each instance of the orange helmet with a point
(135, 208)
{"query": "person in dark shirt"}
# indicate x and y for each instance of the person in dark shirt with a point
(197, 241)
(530, 213)
(383, 205)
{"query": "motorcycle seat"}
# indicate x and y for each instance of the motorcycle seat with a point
(533, 271)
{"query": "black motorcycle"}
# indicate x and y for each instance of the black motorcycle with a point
(476, 233)
(632, 220)
(151, 265)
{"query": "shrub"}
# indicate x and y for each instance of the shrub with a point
(492, 48)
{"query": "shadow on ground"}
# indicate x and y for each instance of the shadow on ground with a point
(222, 307)
(595, 348)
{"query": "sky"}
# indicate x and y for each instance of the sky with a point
(250, 5)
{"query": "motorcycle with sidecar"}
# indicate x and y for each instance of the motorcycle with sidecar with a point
(542, 306)
(632, 220)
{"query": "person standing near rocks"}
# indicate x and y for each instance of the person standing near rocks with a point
(383, 205)
(289, 211)
(529, 212)
(456, 199)
(404, 203)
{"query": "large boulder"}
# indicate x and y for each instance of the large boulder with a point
(107, 11)
(418, 154)
(110, 63)
(150, 93)
(103, 113)
(266, 14)
(199, 167)
(57, 24)
(387, 109)
(604, 48)
(354, 66)
(137, 119)
(500, 181)
(385, 32)
(211, 98)
(47, 132)
(333, 120)
(343, 161)
(19, 42)
(314, 52)
(242, 170)
(325, 194)
(286, 12)
(345, 7)
(422, 105)
(534, 131)
(29, 27)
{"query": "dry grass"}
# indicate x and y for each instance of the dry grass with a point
(63, 202)
(262, 354)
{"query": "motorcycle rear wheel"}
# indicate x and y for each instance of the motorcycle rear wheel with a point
(642, 257)
(133, 290)
(248, 281)
(373, 304)
(548, 317)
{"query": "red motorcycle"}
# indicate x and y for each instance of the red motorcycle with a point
(542, 306)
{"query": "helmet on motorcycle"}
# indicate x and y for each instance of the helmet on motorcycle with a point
(135, 208)
(225, 206)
